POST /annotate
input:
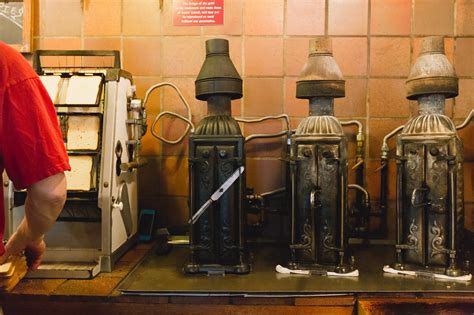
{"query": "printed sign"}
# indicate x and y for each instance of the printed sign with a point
(198, 12)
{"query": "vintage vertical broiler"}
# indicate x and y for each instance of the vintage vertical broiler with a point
(319, 169)
(101, 129)
(216, 153)
(430, 172)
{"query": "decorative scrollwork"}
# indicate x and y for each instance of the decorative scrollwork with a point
(306, 238)
(438, 239)
(412, 166)
(205, 234)
(412, 238)
(204, 178)
(227, 168)
(328, 239)
(204, 167)
(228, 242)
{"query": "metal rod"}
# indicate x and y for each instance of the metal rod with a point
(385, 147)
(466, 121)
(399, 206)
(268, 135)
(273, 192)
(362, 189)
(353, 122)
(284, 116)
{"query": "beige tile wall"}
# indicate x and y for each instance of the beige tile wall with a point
(375, 43)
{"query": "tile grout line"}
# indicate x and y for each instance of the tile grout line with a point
(455, 32)
(367, 92)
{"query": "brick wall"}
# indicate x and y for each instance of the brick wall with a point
(375, 42)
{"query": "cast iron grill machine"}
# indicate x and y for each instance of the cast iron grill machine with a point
(319, 229)
(101, 129)
(217, 159)
(216, 152)
(430, 171)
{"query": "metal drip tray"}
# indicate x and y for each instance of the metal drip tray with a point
(163, 275)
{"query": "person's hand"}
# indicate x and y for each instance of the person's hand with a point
(34, 254)
(34, 250)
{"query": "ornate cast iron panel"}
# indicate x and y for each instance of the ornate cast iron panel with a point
(216, 237)
(426, 196)
(318, 202)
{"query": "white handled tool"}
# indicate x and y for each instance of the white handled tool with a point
(217, 194)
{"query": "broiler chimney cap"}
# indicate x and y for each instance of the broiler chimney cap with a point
(218, 75)
(432, 72)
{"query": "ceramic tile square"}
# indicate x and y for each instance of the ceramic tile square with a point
(60, 18)
(263, 56)
(347, 17)
(305, 17)
(271, 147)
(469, 184)
(465, 99)
(463, 57)
(354, 103)
(141, 17)
(390, 17)
(464, 17)
(377, 130)
(387, 98)
(182, 55)
(102, 17)
(232, 20)
(141, 56)
(263, 96)
(294, 106)
(467, 137)
(150, 146)
(390, 56)
(172, 176)
(264, 174)
(263, 17)
(433, 17)
(296, 53)
(350, 54)
(373, 179)
(148, 178)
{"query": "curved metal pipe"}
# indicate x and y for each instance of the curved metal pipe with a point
(385, 147)
(270, 135)
(360, 142)
(363, 190)
(466, 122)
(190, 125)
(353, 122)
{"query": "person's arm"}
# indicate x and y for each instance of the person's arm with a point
(45, 200)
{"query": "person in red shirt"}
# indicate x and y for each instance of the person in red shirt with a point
(33, 154)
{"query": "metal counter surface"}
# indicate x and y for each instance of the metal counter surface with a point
(163, 275)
